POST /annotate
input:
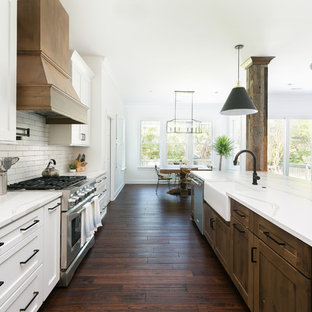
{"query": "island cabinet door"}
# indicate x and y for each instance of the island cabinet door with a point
(278, 286)
(242, 260)
(222, 242)
(209, 224)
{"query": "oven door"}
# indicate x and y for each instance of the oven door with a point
(70, 236)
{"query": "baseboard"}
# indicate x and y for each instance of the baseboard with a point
(118, 190)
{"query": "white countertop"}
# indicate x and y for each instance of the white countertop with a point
(284, 201)
(17, 204)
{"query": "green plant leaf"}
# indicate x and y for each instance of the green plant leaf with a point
(223, 146)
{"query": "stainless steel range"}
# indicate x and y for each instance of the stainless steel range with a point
(77, 191)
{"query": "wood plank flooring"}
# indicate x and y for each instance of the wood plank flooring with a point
(148, 256)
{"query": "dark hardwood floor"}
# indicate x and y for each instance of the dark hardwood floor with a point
(148, 256)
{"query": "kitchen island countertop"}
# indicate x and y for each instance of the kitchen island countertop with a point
(284, 201)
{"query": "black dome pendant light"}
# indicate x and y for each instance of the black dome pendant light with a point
(238, 102)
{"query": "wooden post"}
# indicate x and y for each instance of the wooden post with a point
(257, 124)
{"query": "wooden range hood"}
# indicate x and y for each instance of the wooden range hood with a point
(43, 63)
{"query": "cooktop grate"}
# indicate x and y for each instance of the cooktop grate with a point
(52, 183)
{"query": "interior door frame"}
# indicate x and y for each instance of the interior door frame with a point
(111, 164)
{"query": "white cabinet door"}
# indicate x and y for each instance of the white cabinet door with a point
(82, 84)
(85, 96)
(52, 219)
(8, 28)
(75, 135)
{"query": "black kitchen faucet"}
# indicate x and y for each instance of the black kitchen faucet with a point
(255, 177)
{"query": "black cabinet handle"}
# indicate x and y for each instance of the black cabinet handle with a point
(211, 223)
(53, 208)
(252, 254)
(1, 283)
(35, 252)
(238, 229)
(267, 234)
(83, 136)
(239, 213)
(28, 227)
(35, 294)
(1, 244)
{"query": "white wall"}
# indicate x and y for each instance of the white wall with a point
(138, 112)
(34, 152)
(106, 101)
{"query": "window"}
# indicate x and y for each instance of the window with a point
(176, 148)
(300, 147)
(276, 141)
(236, 132)
(202, 146)
(290, 147)
(150, 143)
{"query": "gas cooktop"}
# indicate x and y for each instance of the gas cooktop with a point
(53, 183)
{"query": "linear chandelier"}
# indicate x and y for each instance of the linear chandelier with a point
(182, 125)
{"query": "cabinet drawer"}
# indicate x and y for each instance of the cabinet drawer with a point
(28, 297)
(16, 231)
(286, 245)
(19, 263)
(241, 213)
(53, 205)
(101, 179)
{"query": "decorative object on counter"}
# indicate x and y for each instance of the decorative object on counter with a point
(255, 176)
(22, 132)
(72, 167)
(5, 164)
(80, 163)
(223, 146)
(238, 102)
(50, 171)
(181, 125)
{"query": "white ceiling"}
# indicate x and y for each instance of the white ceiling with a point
(157, 46)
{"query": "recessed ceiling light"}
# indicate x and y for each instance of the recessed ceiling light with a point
(216, 92)
(290, 84)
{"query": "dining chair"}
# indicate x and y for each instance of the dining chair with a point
(161, 177)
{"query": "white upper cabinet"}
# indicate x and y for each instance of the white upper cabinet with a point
(81, 80)
(8, 33)
(76, 135)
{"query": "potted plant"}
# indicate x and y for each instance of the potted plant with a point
(223, 146)
(72, 167)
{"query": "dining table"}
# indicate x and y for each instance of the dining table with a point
(183, 172)
(177, 168)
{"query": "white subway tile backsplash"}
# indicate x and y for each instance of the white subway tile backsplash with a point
(34, 152)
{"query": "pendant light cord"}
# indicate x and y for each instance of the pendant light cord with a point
(238, 58)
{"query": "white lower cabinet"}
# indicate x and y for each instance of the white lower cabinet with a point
(29, 296)
(19, 262)
(52, 246)
(30, 262)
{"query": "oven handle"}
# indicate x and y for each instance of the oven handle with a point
(83, 207)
